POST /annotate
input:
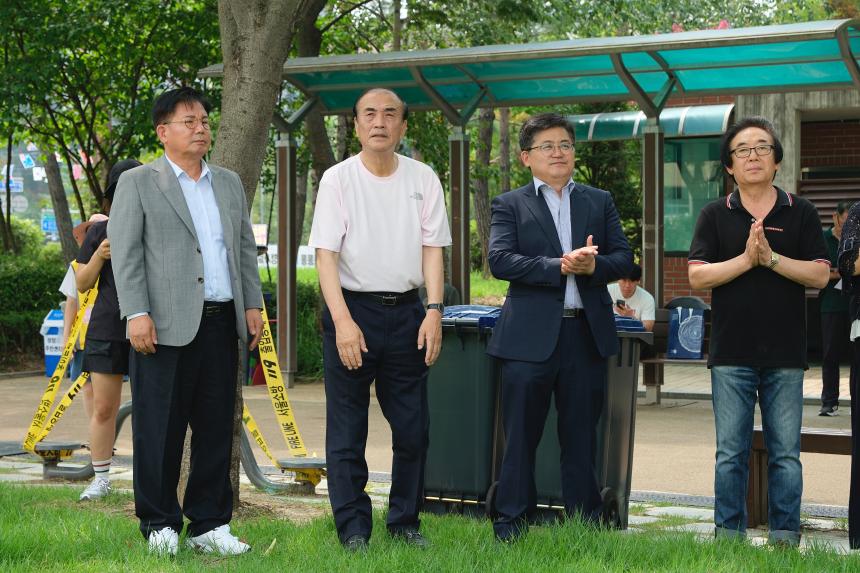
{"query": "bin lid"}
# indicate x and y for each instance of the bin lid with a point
(471, 315)
(54, 318)
(628, 324)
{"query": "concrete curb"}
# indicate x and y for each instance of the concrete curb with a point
(23, 374)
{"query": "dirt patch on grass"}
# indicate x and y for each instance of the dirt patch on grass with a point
(258, 504)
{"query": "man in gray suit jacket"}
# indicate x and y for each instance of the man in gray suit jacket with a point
(185, 265)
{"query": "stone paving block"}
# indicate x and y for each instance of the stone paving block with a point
(701, 529)
(833, 541)
(641, 519)
(696, 513)
(16, 477)
(818, 524)
(19, 465)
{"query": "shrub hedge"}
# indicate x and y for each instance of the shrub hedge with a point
(28, 290)
(309, 330)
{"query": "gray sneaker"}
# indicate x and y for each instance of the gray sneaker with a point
(96, 490)
(829, 410)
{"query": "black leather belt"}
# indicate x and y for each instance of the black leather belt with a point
(213, 308)
(385, 298)
(573, 312)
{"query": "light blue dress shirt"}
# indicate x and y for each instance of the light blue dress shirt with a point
(200, 198)
(559, 208)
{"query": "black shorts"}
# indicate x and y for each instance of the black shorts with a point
(106, 356)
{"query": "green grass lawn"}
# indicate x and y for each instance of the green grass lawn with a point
(489, 290)
(45, 529)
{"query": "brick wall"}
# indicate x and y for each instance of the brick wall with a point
(830, 144)
(675, 281)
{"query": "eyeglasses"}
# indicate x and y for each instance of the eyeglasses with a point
(760, 150)
(191, 122)
(548, 148)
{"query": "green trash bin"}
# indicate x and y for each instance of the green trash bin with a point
(614, 437)
(462, 393)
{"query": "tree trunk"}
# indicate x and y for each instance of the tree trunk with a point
(504, 149)
(8, 237)
(74, 184)
(61, 207)
(345, 126)
(397, 28)
(486, 118)
(301, 203)
(256, 36)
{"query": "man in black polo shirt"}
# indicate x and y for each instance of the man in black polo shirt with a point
(758, 249)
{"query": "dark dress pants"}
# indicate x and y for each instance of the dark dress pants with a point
(397, 366)
(576, 373)
(854, 496)
(172, 388)
(835, 327)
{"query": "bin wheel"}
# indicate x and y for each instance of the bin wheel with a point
(490, 503)
(611, 515)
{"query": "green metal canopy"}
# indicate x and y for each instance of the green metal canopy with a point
(646, 69)
(690, 121)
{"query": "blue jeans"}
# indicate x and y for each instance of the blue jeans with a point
(780, 393)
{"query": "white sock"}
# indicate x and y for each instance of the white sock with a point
(102, 469)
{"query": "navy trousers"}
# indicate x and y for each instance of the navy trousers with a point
(854, 496)
(394, 362)
(176, 387)
(576, 373)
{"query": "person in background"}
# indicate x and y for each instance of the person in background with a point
(848, 263)
(105, 347)
(69, 288)
(630, 299)
(834, 320)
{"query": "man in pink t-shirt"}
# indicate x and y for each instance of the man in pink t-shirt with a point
(379, 228)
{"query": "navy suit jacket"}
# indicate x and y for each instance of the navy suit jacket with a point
(525, 250)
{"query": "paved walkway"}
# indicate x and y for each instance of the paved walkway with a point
(673, 461)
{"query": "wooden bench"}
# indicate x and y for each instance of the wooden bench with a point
(652, 366)
(812, 440)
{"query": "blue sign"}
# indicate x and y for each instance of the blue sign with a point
(49, 223)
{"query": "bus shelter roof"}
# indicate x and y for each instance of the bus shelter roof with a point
(645, 69)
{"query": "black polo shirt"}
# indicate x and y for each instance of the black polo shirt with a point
(105, 320)
(759, 318)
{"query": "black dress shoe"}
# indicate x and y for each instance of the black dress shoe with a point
(412, 537)
(356, 543)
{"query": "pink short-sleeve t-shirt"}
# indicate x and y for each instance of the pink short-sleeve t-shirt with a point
(380, 224)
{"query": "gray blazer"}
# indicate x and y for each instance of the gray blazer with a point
(156, 257)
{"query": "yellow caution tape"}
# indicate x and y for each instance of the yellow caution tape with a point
(278, 392)
(281, 405)
(313, 476)
(37, 431)
(85, 321)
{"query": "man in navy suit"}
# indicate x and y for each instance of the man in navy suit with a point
(558, 243)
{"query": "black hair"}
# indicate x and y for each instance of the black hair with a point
(843, 206)
(755, 121)
(367, 91)
(165, 104)
(541, 122)
(635, 273)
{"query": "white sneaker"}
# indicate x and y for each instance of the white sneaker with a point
(218, 540)
(99, 488)
(164, 542)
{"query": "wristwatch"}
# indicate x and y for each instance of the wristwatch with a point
(436, 306)
(774, 260)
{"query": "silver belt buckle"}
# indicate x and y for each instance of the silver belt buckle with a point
(389, 299)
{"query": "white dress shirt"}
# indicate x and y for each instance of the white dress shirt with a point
(210, 234)
(559, 208)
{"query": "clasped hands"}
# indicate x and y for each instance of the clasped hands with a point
(757, 251)
(580, 261)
